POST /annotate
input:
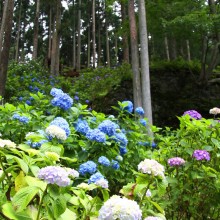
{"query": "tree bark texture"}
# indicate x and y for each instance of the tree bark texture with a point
(134, 56)
(93, 35)
(78, 64)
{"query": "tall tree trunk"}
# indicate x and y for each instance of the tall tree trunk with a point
(173, 49)
(74, 37)
(145, 72)
(78, 64)
(49, 39)
(36, 28)
(188, 50)
(167, 48)
(18, 34)
(93, 35)
(116, 49)
(56, 41)
(99, 37)
(125, 35)
(134, 56)
(6, 33)
(3, 23)
(89, 47)
(23, 37)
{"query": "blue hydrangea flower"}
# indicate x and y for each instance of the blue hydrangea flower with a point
(115, 165)
(87, 101)
(123, 150)
(104, 161)
(153, 145)
(61, 99)
(87, 167)
(62, 123)
(95, 177)
(139, 111)
(76, 98)
(108, 127)
(128, 107)
(96, 135)
(20, 98)
(22, 119)
(121, 139)
(82, 126)
(28, 102)
(143, 122)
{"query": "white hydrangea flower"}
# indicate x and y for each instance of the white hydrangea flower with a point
(55, 131)
(102, 182)
(120, 208)
(73, 173)
(214, 111)
(148, 193)
(7, 143)
(151, 166)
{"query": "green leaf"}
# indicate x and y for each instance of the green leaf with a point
(32, 181)
(20, 181)
(23, 197)
(22, 164)
(105, 195)
(10, 213)
(68, 214)
(52, 148)
(59, 206)
(157, 207)
(215, 142)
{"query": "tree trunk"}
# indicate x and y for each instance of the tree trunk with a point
(74, 37)
(173, 49)
(116, 49)
(89, 47)
(56, 40)
(93, 35)
(78, 64)
(134, 56)
(18, 34)
(167, 48)
(36, 28)
(145, 72)
(188, 50)
(49, 39)
(6, 33)
(125, 35)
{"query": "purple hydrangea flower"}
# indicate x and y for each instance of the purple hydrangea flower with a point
(108, 127)
(54, 175)
(201, 155)
(87, 167)
(62, 123)
(176, 161)
(104, 161)
(139, 111)
(82, 126)
(193, 114)
(96, 135)
(128, 106)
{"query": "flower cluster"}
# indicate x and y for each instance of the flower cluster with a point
(87, 167)
(214, 111)
(54, 131)
(128, 106)
(115, 165)
(96, 135)
(62, 123)
(22, 119)
(104, 161)
(55, 175)
(121, 139)
(139, 111)
(108, 127)
(151, 166)
(36, 144)
(99, 180)
(176, 161)
(61, 99)
(120, 208)
(7, 143)
(82, 126)
(201, 155)
(193, 114)
(143, 122)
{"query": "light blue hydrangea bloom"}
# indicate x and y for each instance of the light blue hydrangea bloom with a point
(22, 119)
(115, 165)
(62, 123)
(96, 135)
(95, 177)
(87, 167)
(139, 111)
(82, 126)
(121, 139)
(143, 122)
(104, 161)
(108, 127)
(128, 107)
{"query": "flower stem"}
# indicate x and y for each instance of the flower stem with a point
(41, 202)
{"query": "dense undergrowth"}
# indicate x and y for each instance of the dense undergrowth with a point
(59, 159)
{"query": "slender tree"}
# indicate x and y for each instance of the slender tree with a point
(79, 38)
(93, 35)
(145, 72)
